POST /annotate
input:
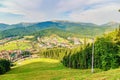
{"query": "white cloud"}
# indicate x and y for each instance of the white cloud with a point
(30, 9)
(66, 5)
(97, 11)
(71, 5)
(27, 8)
(99, 15)
(10, 7)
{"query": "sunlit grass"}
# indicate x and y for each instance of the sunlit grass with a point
(15, 45)
(113, 74)
(28, 61)
(50, 69)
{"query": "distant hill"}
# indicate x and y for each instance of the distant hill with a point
(3, 26)
(79, 28)
(7, 26)
(111, 24)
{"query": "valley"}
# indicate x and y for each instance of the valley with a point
(59, 39)
(46, 48)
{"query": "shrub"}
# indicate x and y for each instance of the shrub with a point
(2, 69)
(4, 66)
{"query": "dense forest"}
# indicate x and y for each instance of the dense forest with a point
(106, 53)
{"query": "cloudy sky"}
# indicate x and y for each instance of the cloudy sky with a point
(94, 11)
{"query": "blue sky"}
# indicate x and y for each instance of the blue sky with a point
(94, 11)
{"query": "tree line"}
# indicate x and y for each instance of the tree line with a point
(106, 56)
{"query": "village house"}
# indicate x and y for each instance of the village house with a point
(13, 55)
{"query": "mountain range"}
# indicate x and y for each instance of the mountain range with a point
(74, 28)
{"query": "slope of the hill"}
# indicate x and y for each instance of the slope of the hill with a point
(3, 26)
(49, 69)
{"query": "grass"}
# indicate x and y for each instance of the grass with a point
(50, 69)
(21, 44)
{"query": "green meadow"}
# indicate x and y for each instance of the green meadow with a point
(51, 69)
(19, 44)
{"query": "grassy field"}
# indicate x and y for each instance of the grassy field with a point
(20, 44)
(49, 69)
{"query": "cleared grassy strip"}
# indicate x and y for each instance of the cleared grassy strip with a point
(50, 69)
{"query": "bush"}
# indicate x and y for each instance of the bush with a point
(4, 66)
(2, 69)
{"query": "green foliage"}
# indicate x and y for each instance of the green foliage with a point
(78, 58)
(26, 53)
(56, 31)
(4, 66)
(106, 54)
(55, 53)
(17, 32)
(2, 69)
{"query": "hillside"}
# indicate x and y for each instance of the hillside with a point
(50, 69)
(16, 44)
(7, 26)
(3, 26)
(59, 32)
(83, 29)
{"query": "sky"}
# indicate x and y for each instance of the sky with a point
(90, 11)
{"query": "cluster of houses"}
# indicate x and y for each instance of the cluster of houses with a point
(76, 41)
(54, 42)
(14, 55)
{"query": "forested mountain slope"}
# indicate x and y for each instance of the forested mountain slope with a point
(84, 29)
